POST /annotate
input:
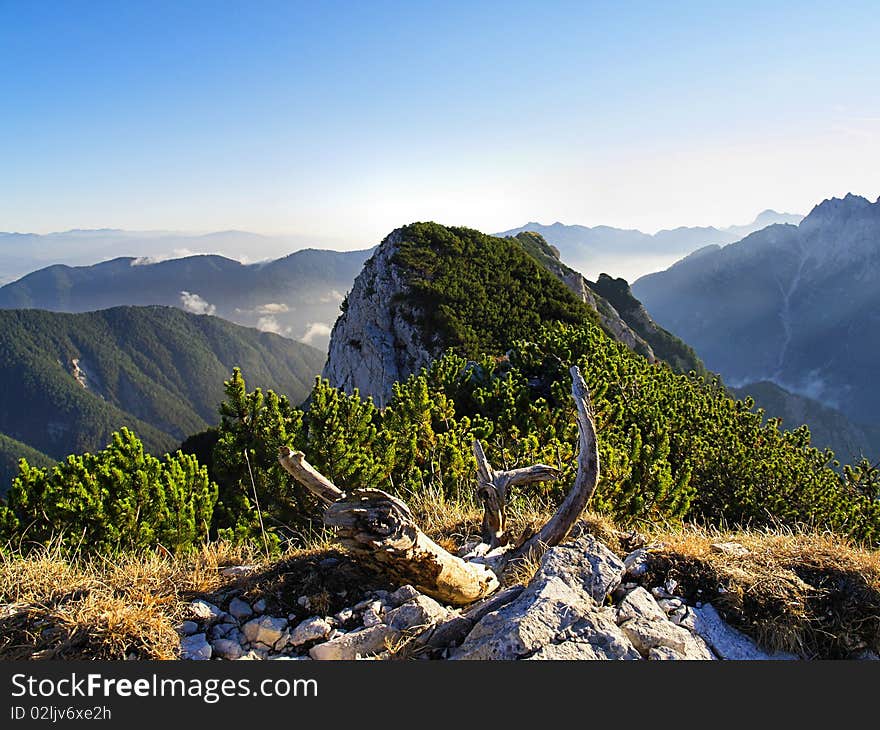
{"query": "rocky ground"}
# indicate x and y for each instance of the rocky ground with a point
(583, 602)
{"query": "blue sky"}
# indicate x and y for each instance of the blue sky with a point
(345, 120)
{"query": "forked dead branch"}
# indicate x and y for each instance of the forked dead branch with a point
(381, 530)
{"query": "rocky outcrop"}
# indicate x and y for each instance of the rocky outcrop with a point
(375, 342)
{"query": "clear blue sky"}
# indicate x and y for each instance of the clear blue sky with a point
(344, 120)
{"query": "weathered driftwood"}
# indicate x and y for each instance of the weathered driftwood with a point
(380, 529)
(493, 488)
(319, 485)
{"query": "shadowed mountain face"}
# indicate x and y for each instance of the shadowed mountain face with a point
(70, 380)
(630, 253)
(795, 305)
(829, 428)
(297, 296)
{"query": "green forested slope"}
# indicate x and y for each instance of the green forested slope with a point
(70, 380)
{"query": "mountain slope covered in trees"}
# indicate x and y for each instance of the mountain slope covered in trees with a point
(71, 380)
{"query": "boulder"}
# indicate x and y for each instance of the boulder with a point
(309, 630)
(638, 602)
(240, 609)
(595, 637)
(585, 564)
(356, 644)
(195, 647)
(636, 563)
(726, 641)
(269, 631)
(647, 634)
(227, 649)
(402, 595)
(419, 612)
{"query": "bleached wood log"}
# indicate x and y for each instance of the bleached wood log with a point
(319, 485)
(381, 531)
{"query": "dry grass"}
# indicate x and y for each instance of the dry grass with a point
(102, 608)
(816, 595)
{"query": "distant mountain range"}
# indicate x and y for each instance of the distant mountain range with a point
(631, 253)
(21, 253)
(297, 296)
(70, 380)
(798, 306)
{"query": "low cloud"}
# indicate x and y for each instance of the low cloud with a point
(315, 330)
(270, 324)
(333, 296)
(195, 304)
(272, 308)
(177, 253)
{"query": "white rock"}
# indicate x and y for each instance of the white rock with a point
(646, 634)
(269, 631)
(312, 629)
(240, 609)
(371, 617)
(345, 615)
(402, 595)
(726, 641)
(356, 644)
(227, 649)
(640, 603)
(663, 653)
(187, 628)
(204, 611)
(418, 613)
(636, 563)
(195, 647)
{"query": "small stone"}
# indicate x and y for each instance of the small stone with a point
(402, 595)
(240, 609)
(383, 596)
(636, 563)
(187, 628)
(371, 617)
(312, 629)
(420, 612)
(670, 604)
(227, 649)
(344, 616)
(304, 602)
(268, 631)
(660, 592)
(204, 611)
(237, 571)
(329, 563)
(195, 647)
(260, 606)
(671, 585)
(355, 645)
